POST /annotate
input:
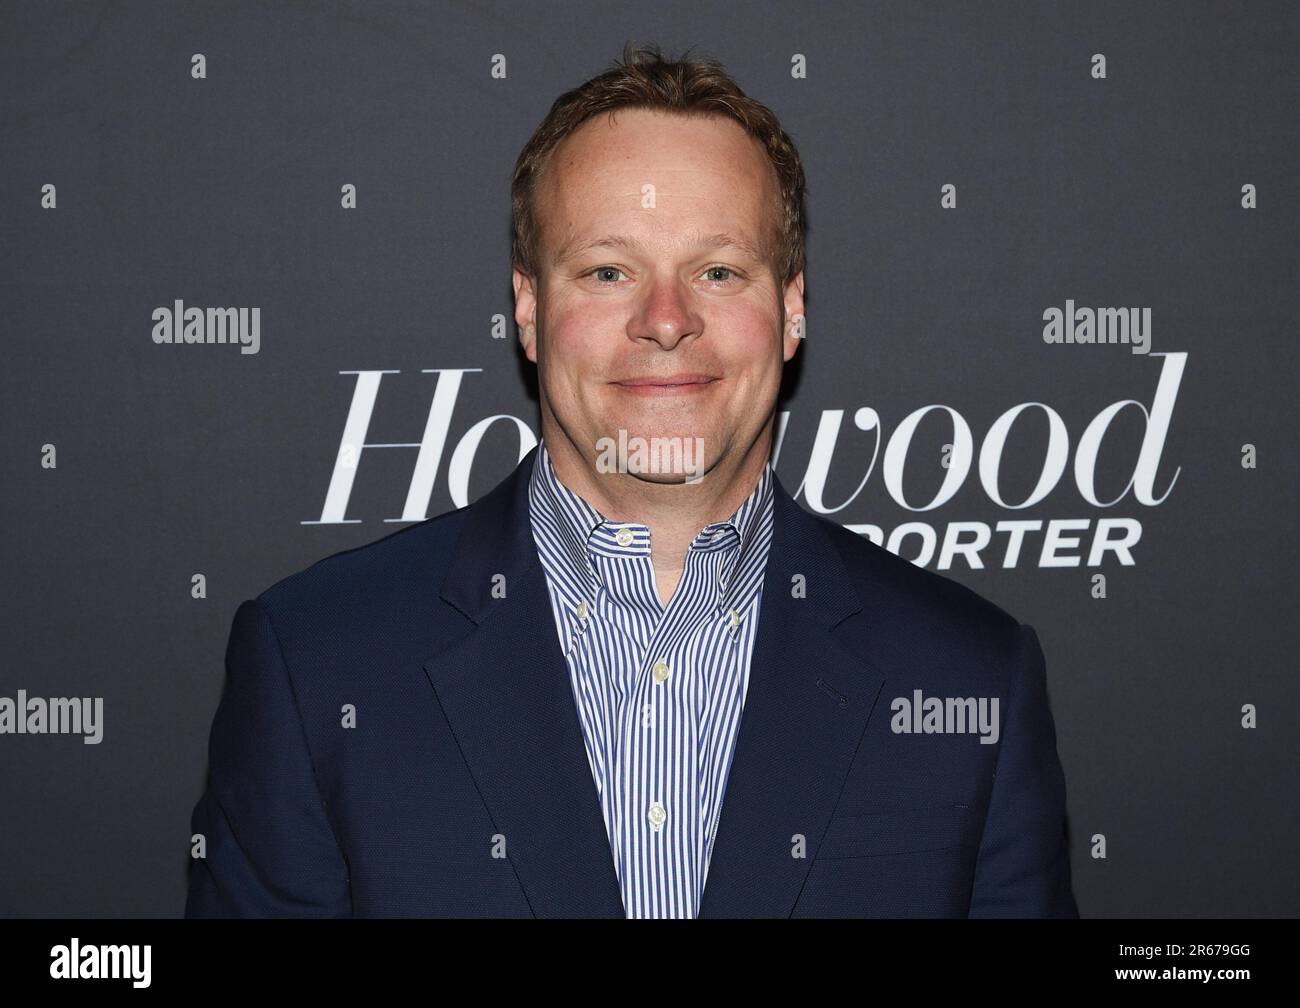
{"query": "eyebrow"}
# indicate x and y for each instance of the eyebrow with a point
(574, 248)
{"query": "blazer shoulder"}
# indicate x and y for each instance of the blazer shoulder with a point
(414, 558)
(899, 593)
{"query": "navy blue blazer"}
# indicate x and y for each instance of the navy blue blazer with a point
(466, 732)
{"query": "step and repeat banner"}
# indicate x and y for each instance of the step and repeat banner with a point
(257, 310)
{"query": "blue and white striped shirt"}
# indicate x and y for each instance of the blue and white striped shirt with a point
(659, 690)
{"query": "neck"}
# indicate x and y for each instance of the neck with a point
(674, 512)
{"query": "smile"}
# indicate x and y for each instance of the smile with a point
(666, 386)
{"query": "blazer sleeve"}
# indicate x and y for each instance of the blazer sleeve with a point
(270, 849)
(1023, 868)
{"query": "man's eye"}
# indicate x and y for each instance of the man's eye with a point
(601, 273)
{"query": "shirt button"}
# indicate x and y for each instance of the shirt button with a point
(623, 537)
(661, 670)
(735, 618)
(582, 609)
(657, 815)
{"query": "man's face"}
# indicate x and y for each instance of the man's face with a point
(659, 299)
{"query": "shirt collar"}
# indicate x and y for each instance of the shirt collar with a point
(582, 528)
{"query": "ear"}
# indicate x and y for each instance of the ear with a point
(526, 312)
(794, 316)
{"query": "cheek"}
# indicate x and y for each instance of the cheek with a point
(573, 346)
(577, 324)
(585, 338)
(752, 339)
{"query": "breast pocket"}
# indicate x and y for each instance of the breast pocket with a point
(875, 832)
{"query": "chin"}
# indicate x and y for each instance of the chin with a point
(654, 454)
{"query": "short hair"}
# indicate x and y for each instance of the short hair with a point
(644, 79)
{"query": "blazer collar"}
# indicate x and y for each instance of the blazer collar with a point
(504, 689)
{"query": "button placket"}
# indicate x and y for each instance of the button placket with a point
(580, 613)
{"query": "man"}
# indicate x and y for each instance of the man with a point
(616, 688)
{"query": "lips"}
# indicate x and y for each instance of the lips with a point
(668, 381)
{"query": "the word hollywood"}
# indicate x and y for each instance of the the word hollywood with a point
(967, 539)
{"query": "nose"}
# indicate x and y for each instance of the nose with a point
(665, 314)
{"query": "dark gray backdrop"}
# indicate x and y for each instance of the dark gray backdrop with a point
(172, 461)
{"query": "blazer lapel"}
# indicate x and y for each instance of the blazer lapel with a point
(805, 711)
(505, 692)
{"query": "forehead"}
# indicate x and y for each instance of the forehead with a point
(706, 172)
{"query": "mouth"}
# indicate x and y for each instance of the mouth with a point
(668, 385)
